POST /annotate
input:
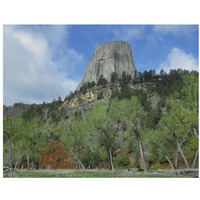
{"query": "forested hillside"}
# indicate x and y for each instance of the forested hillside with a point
(151, 121)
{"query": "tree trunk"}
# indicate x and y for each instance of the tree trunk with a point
(177, 151)
(195, 132)
(33, 165)
(179, 147)
(15, 166)
(14, 169)
(21, 165)
(111, 160)
(176, 159)
(141, 149)
(77, 165)
(109, 151)
(28, 162)
(10, 153)
(169, 162)
(81, 164)
(96, 156)
(195, 159)
(12, 156)
(110, 154)
(37, 164)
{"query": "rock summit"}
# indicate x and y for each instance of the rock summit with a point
(107, 58)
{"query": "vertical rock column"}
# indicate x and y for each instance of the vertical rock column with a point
(107, 58)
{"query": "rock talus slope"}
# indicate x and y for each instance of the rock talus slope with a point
(107, 58)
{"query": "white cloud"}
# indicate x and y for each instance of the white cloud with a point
(129, 33)
(37, 46)
(177, 58)
(31, 75)
(176, 30)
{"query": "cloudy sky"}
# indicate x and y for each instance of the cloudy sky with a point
(43, 62)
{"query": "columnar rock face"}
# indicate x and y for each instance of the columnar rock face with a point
(107, 58)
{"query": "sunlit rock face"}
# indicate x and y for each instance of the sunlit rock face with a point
(107, 58)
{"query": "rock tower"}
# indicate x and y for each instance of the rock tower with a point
(107, 58)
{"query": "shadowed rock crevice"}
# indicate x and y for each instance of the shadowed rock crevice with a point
(107, 58)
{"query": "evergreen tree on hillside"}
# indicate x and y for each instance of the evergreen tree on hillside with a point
(102, 81)
(114, 77)
(126, 78)
(91, 84)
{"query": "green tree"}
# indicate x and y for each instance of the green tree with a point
(70, 133)
(102, 81)
(121, 160)
(126, 79)
(23, 140)
(91, 84)
(131, 112)
(177, 128)
(125, 93)
(104, 121)
(114, 77)
(12, 140)
(190, 91)
(142, 96)
(150, 144)
(35, 139)
(100, 95)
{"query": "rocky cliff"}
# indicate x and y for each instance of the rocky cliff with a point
(107, 58)
(84, 100)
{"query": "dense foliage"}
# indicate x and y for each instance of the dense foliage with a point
(159, 130)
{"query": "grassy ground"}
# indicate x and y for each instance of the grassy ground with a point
(72, 173)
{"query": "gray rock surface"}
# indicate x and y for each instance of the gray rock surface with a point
(107, 58)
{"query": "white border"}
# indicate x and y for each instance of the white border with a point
(97, 12)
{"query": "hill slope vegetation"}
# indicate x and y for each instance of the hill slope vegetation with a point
(151, 121)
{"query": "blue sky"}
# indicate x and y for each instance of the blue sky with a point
(42, 62)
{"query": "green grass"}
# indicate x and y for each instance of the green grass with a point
(72, 173)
